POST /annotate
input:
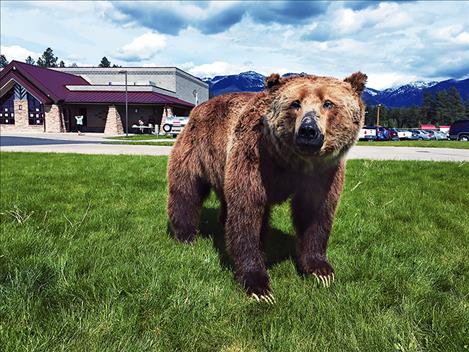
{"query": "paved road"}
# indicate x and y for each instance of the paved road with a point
(14, 141)
(408, 153)
(93, 144)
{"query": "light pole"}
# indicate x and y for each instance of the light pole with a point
(377, 115)
(126, 106)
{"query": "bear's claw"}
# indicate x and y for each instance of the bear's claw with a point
(268, 298)
(185, 238)
(326, 280)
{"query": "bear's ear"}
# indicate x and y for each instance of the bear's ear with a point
(357, 80)
(273, 81)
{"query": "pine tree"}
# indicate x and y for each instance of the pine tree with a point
(442, 108)
(47, 59)
(61, 64)
(467, 107)
(370, 116)
(414, 117)
(3, 61)
(30, 60)
(104, 62)
(428, 111)
(456, 106)
(400, 117)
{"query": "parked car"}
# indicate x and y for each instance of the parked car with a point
(459, 130)
(421, 135)
(174, 125)
(367, 133)
(431, 134)
(382, 134)
(404, 134)
(393, 134)
(440, 135)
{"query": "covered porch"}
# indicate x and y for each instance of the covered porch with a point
(111, 119)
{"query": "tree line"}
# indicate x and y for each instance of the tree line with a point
(440, 109)
(48, 59)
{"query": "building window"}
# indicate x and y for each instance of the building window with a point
(7, 112)
(35, 111)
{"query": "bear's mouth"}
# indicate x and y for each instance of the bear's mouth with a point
(309, 145)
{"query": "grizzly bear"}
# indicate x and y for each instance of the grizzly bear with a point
(259, 149)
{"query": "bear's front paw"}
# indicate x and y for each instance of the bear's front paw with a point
(257, 286)
(320, 269)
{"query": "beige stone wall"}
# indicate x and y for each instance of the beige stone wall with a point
(21, 119)
(21, 116)
(113, 122)
(54, 119)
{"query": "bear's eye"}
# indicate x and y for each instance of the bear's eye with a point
(296, 104)
(328, 105)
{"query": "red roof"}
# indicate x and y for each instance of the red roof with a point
(114, 97)
(52, 84)
(23, 81)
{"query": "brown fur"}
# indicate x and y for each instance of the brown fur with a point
(243, 146)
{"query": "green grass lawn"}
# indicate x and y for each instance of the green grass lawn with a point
(424, 144)
(87, 264)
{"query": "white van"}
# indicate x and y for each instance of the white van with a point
(174, 125)
(367, 134)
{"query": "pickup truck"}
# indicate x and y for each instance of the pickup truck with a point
(404, 134)
(459, 130)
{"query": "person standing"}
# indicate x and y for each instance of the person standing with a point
(79, 120)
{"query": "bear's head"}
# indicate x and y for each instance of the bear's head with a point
(313, 116)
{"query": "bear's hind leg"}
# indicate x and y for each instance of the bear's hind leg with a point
(185, 199)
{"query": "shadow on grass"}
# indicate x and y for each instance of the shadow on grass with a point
(278, 245)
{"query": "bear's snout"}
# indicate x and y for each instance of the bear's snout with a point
(309, 134)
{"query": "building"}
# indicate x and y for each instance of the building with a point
(37, 99)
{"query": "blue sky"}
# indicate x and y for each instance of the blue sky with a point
(393, 42)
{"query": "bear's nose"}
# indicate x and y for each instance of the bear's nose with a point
(308, 129)
(309, 134)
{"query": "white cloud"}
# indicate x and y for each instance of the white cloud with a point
(452, 33)
(143, 47)
(214, 69)
(16, 52)
(387, 80)
(385, 16)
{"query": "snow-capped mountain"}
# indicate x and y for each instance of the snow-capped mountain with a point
(404, 96)
(371, 91)
(422, 84)
(249, 81)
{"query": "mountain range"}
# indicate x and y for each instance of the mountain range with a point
(410, 94)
